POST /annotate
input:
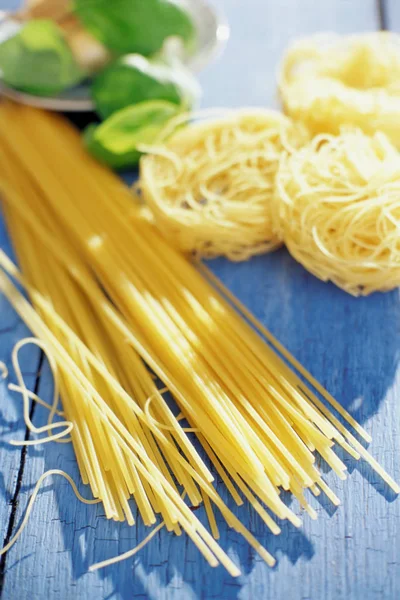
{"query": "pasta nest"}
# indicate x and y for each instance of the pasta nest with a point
(328, 81)
(337, 208)
(209, 187)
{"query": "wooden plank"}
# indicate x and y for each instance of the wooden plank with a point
(260, 31)
(350, 344)
(10, 5)
(12, 425)
(392, 14)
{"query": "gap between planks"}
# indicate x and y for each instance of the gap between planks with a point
(382, 15)
(21, 469)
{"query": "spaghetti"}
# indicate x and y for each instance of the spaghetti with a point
(111, 299)
(33, 498)
(27, 395)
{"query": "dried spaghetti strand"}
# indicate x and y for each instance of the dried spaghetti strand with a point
(67, 426)
(33, 498)
(129, 553)
(153, 422)
(16, 388)
(133, 551)
(283, 351)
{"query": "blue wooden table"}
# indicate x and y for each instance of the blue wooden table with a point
(351, 345)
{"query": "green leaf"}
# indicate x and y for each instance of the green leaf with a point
(135, 26)
(115, 141)
(38, 60)
(134, 78)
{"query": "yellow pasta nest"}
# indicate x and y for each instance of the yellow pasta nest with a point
(337, 209)
(210, 186)
(328, 81)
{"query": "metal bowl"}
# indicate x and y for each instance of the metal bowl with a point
(212, 35)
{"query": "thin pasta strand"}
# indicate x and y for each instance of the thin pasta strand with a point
(33, 498)
(21, 387)
(129, 553)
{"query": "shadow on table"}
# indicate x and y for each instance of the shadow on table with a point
(351, 345)
(84, 537)
(167, 562)
(325, 329)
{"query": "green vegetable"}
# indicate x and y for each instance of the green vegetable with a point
(134, 78)
(115, 141)
(138, 26)
(38, 60)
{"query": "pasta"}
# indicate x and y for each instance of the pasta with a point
(195, 530)
(327, 81)
(112, 299)
(129, 553)
(209, 186)
(52, 279)
(27, 395)
(33, 498)
(337, 209)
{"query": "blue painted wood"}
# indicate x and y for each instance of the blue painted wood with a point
(12, 425)
(392, 14)
(350, 344)
(10, 5)
(260, 31)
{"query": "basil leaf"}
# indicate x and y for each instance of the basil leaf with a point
(38, 60)
(115, 141)
(138, 26)
(134, 78)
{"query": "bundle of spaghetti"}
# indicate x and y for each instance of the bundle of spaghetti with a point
(328, 81)
(209, 186)
(337, 208)
(31, 249)
(117, 463)
(38, 264)
(175, 511)
(257, 420)
(75, 309)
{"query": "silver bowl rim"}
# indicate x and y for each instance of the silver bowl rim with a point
(196, 63)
